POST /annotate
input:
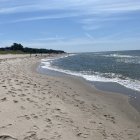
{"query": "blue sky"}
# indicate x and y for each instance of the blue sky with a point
(71, 25)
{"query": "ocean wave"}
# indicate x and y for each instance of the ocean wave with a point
(129, 60)
(55, 58)
(125, 58)
(95, 76)
(119, 56)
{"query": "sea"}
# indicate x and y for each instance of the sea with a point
(115, 71)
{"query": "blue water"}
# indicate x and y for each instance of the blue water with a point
(122, 67)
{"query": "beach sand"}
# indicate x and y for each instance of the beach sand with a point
(41, 107)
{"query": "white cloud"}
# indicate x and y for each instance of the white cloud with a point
(92, 26)
(89, 36)
(50, 39)
(54, 16)
(17, 9)
(90, 13)
(86, 7)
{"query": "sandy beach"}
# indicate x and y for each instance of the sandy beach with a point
(41, 107)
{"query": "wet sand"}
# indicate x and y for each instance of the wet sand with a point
(34, 106)
(108, 87)
(133, 96)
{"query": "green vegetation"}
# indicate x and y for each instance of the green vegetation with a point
(19, 49)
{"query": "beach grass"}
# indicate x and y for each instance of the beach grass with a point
(12, 52)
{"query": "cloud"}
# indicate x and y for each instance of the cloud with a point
(17, 9)
(89, 13)
(90, 27)
(86, 7)
(47, 17)
(89, 36)
(50, 39)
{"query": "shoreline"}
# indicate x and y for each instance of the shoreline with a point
(37, 106)
(111, 87)
(109, 94)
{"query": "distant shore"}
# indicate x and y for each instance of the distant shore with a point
(37, 106)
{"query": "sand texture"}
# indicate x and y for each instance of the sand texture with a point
(41, 107)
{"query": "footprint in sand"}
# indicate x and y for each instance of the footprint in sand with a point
(25, 116)
(7, 137)
(32, 136)
(22, 107)
(35, 128)
(109, 117)
(15, 101)
(5, 126)
(4, 86)
(22, 95)
(4, 99)
(79, 133)
(34, 116)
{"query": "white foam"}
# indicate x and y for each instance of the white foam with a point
(129, 61)
(125, 58)
(129, 83)
(119, 56)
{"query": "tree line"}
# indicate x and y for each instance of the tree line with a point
(19, 48)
